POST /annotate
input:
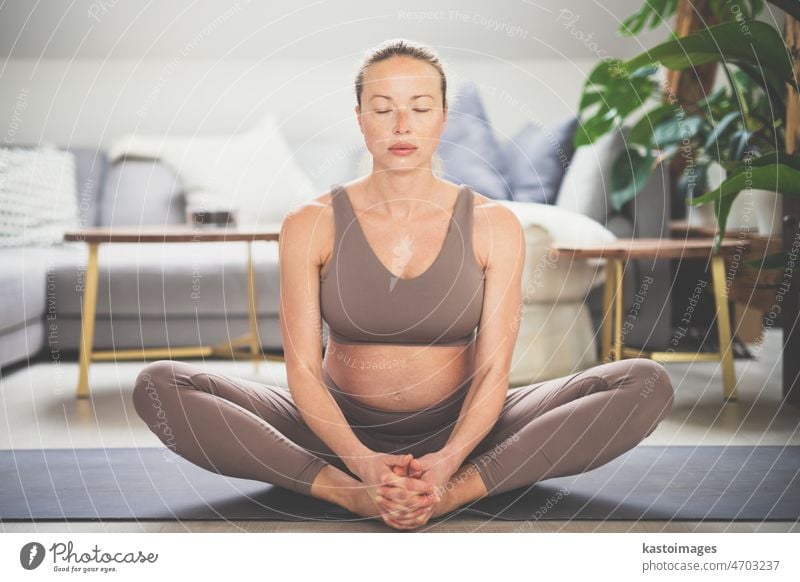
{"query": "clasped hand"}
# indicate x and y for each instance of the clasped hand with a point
(407, 490)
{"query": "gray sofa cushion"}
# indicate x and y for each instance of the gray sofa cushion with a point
(537, 159)
(91, 166)
(22, 286)
(468, 148)
(28, 300)
(172, 330)
(182, 279)
(24, 341)
(140, 191)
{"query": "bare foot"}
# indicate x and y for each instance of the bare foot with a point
(446, 503)
(358, 500)
(464, 487)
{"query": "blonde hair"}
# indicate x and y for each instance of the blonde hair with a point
(398, 47)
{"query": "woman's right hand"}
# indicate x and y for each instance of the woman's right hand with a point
(382, 469)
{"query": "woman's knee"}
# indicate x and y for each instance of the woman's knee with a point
(154, 374)
(654, 387)
(653, 378)
(153, 380)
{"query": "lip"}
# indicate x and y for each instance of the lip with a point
(403, 149)
(403, 146)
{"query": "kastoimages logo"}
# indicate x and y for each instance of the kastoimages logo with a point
(31, 555)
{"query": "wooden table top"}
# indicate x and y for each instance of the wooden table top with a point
(657, 248)
(172, 233)
(684, 229)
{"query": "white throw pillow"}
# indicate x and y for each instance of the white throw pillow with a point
(253, 172)
(586, 188)
(551, 277)
(38, 196)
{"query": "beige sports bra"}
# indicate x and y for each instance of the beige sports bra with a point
(364, 303)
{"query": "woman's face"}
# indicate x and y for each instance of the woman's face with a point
(401, 101)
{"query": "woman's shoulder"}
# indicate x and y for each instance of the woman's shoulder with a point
(482, 201)
(310, 215)
(491, 213)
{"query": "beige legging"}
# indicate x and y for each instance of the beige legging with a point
(554, 428)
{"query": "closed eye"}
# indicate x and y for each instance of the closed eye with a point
(418, 110)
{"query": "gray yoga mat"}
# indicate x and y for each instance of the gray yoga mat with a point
(737, 483)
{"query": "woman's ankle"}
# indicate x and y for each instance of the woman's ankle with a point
(465, 486)
(334, 485)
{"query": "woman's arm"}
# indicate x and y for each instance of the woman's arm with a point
(301, 238)
(497, 332)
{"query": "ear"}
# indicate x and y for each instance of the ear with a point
(357, 110)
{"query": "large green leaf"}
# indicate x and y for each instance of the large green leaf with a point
(769, 81)
(760, 46)
(612, 95)
(642, 130)
(591, 129)
(721, 127)
(629, 172)
(654, 11)
(767, 159)
(776, 178)
(676, 130)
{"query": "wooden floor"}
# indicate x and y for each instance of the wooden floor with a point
(40, 411)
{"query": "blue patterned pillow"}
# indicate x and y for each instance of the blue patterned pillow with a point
(468, 148)
(537, 160)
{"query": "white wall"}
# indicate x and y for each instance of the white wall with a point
(89, 102)
(85, 71)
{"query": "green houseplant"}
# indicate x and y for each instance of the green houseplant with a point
(741, 126)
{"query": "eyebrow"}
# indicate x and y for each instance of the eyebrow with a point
(390, 99)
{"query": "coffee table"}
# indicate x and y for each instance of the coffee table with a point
(95, 236)
(621, 250)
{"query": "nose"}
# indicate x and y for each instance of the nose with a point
(401, 123)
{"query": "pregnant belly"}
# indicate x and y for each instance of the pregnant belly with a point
(398, 378)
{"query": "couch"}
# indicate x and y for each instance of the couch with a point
(145, 291)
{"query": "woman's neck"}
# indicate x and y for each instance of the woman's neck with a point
(402, 188)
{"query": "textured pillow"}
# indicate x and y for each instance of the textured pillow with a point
(253, 172)
(586, 188)
(38, 196)
(468, 148)
(537, 160)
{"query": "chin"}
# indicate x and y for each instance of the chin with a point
(400, 162)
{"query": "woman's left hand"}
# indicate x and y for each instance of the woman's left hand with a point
(436, 468)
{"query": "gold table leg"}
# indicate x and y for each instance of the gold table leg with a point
(255, 343)
(87, 321)
(723, 327)
(607, 324)
(225, 349)
(618, 276)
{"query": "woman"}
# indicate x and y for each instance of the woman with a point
(409, 415)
